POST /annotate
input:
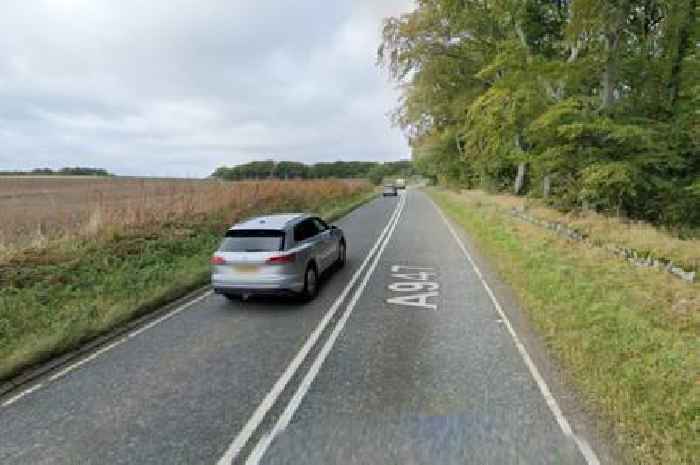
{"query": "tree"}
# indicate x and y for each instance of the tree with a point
(595, 99)
(293, 170)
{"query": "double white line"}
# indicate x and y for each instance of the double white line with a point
(268, 402)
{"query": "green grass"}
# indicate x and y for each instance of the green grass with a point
(626, 337)
(53, 300)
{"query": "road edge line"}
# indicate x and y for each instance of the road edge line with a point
(72, 360)
(583, 446)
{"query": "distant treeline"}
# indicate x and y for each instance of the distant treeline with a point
(68, 171)
(295, 170)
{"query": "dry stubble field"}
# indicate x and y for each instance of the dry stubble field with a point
(35, 210)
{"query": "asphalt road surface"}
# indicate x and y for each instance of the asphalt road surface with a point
(406, 357)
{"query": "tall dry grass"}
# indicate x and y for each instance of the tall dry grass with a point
(37, 211)
(603, 229)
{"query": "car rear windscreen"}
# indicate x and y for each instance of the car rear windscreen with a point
(253, 240)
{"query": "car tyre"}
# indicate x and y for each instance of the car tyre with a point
(310, 283)
(342, 254)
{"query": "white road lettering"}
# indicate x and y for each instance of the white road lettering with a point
(415, 281)
(422, 276)
(414, 286)
(415, 300)
(398, 268)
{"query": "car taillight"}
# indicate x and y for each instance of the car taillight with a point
(282, 259)
(216, 260)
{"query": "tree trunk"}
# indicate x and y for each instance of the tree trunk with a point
(547, 186)
(459, 145)
(674, 84)
(520, 178)
(608, 81)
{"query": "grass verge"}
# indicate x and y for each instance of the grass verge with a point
(54, 299)
(643, 237)
(626, 337)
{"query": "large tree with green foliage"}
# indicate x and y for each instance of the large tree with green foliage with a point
(598, 100)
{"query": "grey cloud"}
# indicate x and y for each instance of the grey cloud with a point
(178, 87)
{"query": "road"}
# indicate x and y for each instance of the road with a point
(405, 357)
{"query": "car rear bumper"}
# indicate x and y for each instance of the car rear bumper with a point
(274, 285)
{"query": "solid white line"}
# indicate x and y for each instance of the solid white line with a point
(17, 397)
(582, 445)
(167, 316)
(134, 333)
(284, 419)
(87, 359)
(259, 414)
(73, 366)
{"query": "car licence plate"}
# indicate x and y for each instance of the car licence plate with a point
(246, 268)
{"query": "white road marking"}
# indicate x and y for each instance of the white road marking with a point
(415, 300)
(73, 366)
(26, 392)
(169, 315)
(413, 286)
(284, 419)
(583, 446)
(414, 282)
(87, 359)
(259, 414)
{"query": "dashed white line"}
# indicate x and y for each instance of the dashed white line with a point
(284, 419)
(259, 414)
(583, 446)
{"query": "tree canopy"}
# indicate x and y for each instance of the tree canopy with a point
(590, 103)
(68, 171)
(295, 170)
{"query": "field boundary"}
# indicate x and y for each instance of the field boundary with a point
(633, 256)
(60, 360)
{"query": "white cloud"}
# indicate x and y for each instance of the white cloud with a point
(178, 87)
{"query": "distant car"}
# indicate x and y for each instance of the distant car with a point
(400, 183)
(277, 254)
(390, 189)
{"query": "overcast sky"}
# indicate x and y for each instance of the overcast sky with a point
(179, 87)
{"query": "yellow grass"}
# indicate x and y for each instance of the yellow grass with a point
(36, 211)
(637, 235)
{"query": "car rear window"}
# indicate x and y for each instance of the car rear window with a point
(305, 230)
(253, 240)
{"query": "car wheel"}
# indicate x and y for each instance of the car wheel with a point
(232, 297)
(342, 253)
(310, 283)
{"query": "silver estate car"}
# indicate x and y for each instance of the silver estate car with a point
(277, 254)
(390, 190)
